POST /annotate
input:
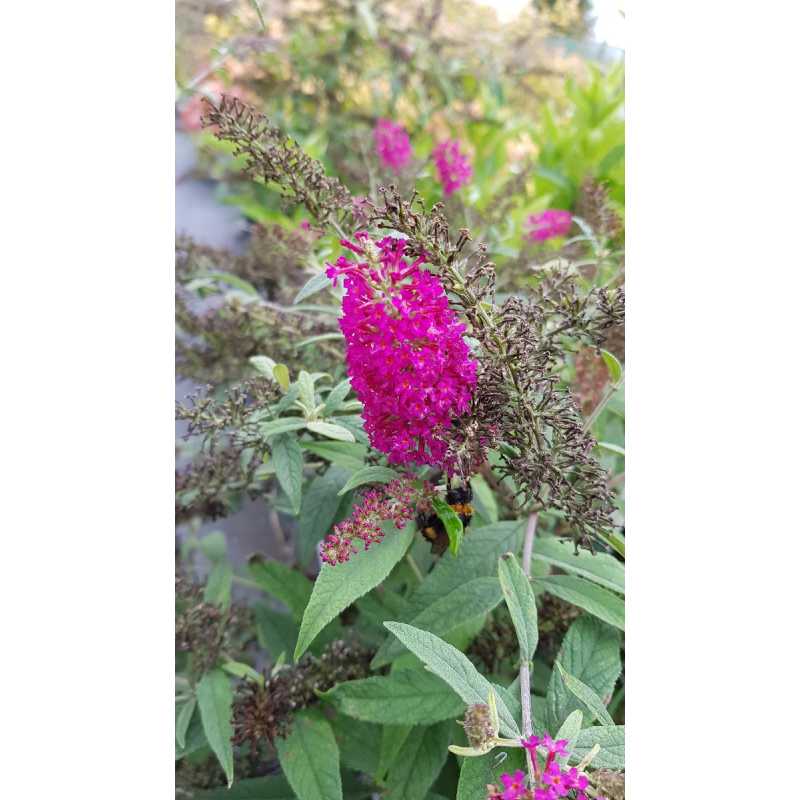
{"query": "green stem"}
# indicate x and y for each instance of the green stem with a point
(414, 568)
(602, 404)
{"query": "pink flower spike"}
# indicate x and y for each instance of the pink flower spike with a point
(548, 224)
(392, 145)
(555, 778)
(514, 786)
(453, 168)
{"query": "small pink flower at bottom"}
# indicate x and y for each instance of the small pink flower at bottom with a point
(532, 743)
(555, 778)
(545, 794)
(556, 748)
(575, 781)
(514, 786)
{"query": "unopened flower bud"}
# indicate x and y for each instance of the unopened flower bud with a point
(478, 725)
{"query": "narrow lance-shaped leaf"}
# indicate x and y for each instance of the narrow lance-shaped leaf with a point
(331, 431)
(407, 697)
(580, 592)
(600, 567)
(309, 758)
(184, 718)
(452, 524)
(288, 460)
(521, 604)
(569, 731)
(453, 667)
(214, 697)
(313, 285)
(418, 763)
(612, 746)
(586, 695)
(338, 586)
(283, 582)
(379, 475)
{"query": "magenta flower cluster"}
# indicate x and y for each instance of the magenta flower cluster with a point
(391, 144)
(453, 168)
(406, 355)
(548, 224)
(398, 501)
(552, 782)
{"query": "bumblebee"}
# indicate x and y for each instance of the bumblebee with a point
(432, 528)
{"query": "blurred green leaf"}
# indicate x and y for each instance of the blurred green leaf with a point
(452, 524)
(287, 457)
(377, 475)
(214, 697)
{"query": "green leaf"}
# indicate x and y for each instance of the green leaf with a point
(355, 424)
(612, 448)
(365, 12)
(284, 425)
(612, 746)
(406, 697)
(283, 582)
(234, 280)
(239, 670)
(590, 653)
(275, 787)
(467, 601)
(359, 743)
(521, 604)
(305, 387)
(478, 771)
(586, 695)
(379, 475)
(596, 600)
(336, 397)
(278, 632)
(322, 337)
(254, 4)
(454, 668)
(195, 737)
(215, 696)
(600, 568)
(264, 364)
(309, 758)
(319, 506)
(614, 367)
(394, 736)
(287, 458)
(418, 763)
(350, 455)
(331, 431)
(214, 546)
(338, 586)
(218, 588)
(451, 521)
(610, 160)
(281, 374)
(184, 718)
(313, 285)
(569, 731)
(477, 558)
